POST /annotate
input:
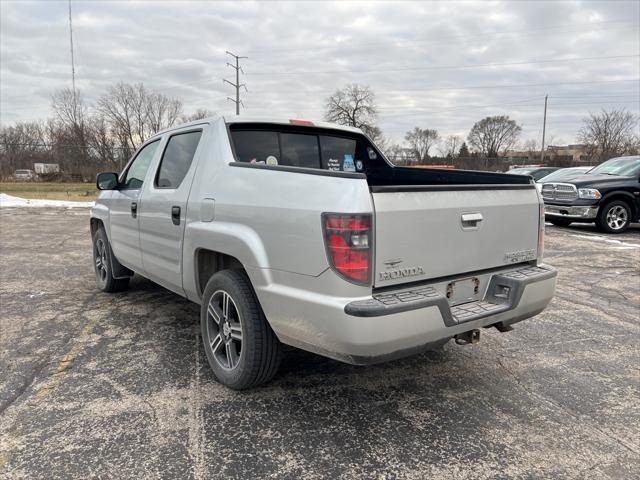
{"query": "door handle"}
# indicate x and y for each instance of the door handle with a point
(134, 209)
(175, 215)
(471, 220)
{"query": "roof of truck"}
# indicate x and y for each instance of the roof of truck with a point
(262, 119)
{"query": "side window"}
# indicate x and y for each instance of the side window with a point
(134, 177)
(177, 158)
(339, 154)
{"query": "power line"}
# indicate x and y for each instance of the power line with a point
(447, 67)
(521, 104)
(237, 85)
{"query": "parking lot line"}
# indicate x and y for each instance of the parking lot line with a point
(67, 360)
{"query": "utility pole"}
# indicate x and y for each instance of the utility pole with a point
(236, 85)
(73, 67)
(544, 128)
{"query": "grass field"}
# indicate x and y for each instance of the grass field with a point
(81, 192)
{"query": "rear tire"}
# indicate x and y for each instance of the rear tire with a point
(614, 217)
(560, 222)
(241, 348)
(102, 256)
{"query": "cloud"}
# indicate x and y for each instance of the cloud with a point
(426, 61)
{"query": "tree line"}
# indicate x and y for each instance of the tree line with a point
(83, 139)
(606, 134)
(86, 138)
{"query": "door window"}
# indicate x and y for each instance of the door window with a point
(134, 177)
(177, 158)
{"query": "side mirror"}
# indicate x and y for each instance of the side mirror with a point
(107, 181)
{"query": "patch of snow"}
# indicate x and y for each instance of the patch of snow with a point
(618, 244)
(10, 201)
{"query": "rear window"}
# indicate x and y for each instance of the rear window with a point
(308, 150)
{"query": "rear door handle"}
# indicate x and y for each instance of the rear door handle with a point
(175, 215)
(134, 209)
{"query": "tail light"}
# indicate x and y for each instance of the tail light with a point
(348, 242)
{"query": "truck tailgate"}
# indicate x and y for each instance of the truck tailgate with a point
(426, 233)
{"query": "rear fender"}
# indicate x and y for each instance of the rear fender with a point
(238, 241)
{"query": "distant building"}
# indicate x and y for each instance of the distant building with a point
(557, 155)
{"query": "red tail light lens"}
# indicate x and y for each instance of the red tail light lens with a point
(348, 243)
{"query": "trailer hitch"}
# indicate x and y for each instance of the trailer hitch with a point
(466, 338)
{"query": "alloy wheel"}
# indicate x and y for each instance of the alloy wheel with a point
(101, 260)
(617, 217)
(224, 330)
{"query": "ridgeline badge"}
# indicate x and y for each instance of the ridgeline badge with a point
(401, 273)
(519, 256)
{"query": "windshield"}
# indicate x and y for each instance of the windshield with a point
(625, 166)
(563, 174)
(520, 171)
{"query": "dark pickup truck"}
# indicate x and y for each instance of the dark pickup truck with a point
(608, 195)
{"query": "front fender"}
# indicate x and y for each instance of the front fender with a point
(101, 212)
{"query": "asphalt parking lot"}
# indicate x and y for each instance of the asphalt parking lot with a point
(117, 386)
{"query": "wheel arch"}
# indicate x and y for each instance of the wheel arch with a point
(209, 262)
(625, 197)
(211, 247)
(119, 270)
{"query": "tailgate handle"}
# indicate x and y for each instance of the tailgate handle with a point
(471, 220)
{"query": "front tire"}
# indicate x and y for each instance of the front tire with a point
(614, 217)
(102, 264)
(241, 348)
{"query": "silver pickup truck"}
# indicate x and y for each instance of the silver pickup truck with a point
(300, 233)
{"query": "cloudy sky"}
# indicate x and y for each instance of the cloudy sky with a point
(440, 65)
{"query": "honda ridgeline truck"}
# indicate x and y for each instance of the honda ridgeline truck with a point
(300, 233)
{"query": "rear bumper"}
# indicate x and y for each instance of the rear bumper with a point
(405, 321)
(588, 212)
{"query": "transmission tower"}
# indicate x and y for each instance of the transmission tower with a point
(236, 85)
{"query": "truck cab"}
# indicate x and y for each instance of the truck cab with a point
(607, 195)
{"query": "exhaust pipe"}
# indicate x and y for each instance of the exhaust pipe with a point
(466, 338)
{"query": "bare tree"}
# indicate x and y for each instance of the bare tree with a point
(69, 108)
(421, 141)
(450, 146)
(133, 113)
(610, 133)
(353, 105)
(162, 111)
(395, 153)
(21, 145)
(493, 135)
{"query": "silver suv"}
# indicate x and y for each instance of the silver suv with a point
(304, 234)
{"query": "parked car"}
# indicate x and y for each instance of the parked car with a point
(608, 195)
(301, 233)
(562, 174)
(24, 174)
(536, 172)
